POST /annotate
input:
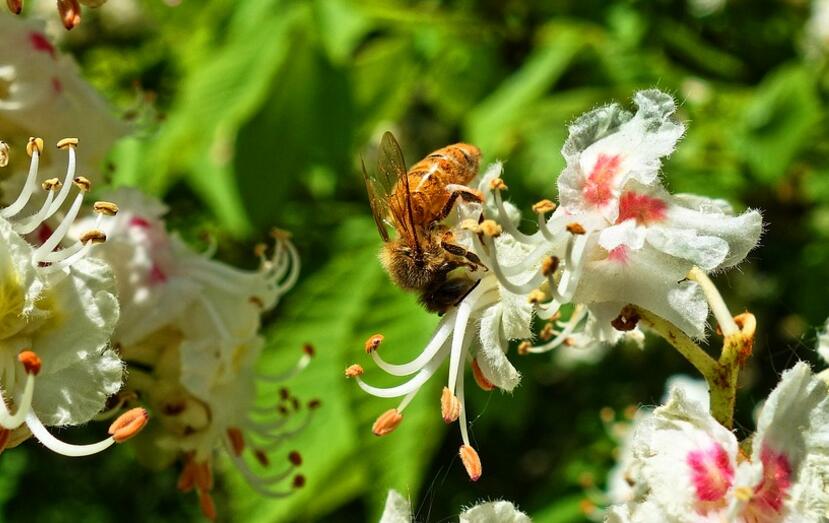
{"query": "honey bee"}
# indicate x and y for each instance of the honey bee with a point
(422, 258)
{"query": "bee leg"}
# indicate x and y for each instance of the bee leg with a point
(465, 193)
(457, 250)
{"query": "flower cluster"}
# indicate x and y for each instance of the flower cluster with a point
(57, 311)
(685, 466)
(42, 91)
(189, 332)
(616, 237)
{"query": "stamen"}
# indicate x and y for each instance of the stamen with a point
(413, 384)
(203, 475)
(70, 13)
(207, 505)
(15, 6)
(437, 341)
(34, 152)
(471, 462)
(353, 371)
(129, 424)
(387, 422)
(105, 208)
(237, 440)
(480, 379)
(373, 343)
(450, 406)
(60, 447)
(187, 478)
(31, 364)
(93, 236)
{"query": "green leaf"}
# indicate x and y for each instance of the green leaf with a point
(778, 122)
(492, 123)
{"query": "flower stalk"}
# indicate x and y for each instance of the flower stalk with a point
(722, 374)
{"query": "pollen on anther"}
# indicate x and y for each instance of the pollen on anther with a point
(544, 206)
(575, 228)
(387, 422)
(35, 144)
(352, 371)
(450, 406)
(549, 265)
(490, 228)
(51, 184)
(497, 184)
(82, 183)
(67, 142)
(31, 362)
(524, 347)
(471, 462)
(105, 208)
(470, 225)
(295, 458)
(309, 350)
(373, 343)
(95, 236)
(536, 296)
(128, 424)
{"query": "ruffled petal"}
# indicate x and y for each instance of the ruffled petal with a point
(397, 509)
(491, 357)
(494, 512)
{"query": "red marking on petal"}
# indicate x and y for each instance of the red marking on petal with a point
(157, 276)
(598, 188)
(641, 207)
(711, 472)
(773, 488)
(619, 255)
(57, 85)
(42, 44)
(137, 221)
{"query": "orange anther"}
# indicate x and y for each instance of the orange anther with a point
(237, 440)
(387, 422)
(187, 478)
(128, 424)
(575, 228)
(373, 343)
(353, 371)
(31, 362)
(471, 462)
(207, 505)
(480, 379)
(203, 475)
(450, 406)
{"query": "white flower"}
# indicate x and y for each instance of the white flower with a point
(399, 510)
(618, 236)
(189, 332)
(479, 328)
(43, 94)
(817, 28)
(57, 312)
(693, 469)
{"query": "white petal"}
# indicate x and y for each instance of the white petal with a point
(626, 234)
(706, 252)
(494, 512)
(492, 358)
(397, 509)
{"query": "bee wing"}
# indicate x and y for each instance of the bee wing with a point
(391, 170)
(379, 201)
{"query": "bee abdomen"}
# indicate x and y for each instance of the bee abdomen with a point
(457, 163)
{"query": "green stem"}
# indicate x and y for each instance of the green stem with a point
(692, 352)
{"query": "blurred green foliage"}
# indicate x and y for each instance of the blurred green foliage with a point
(254, 113)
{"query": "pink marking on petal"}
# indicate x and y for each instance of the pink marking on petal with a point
(42, 44)
(619, 255)
(770, 494)
(157, 276)
(57, 85)
(139, 222)
(598, 188)
(641, 207)
(711, 472)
